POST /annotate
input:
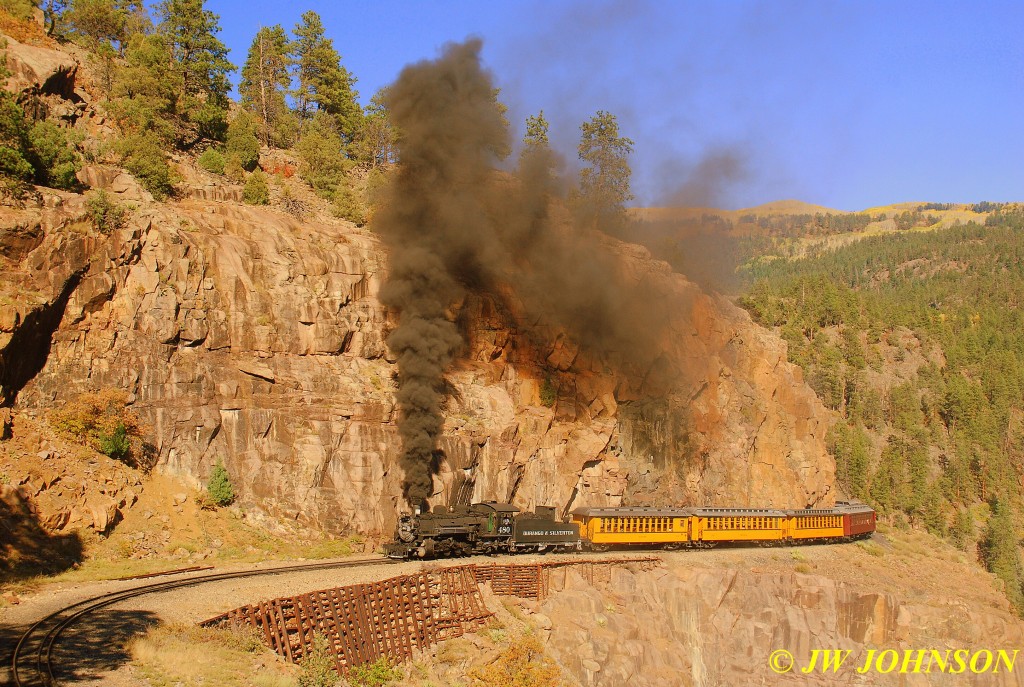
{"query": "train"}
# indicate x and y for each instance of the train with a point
(492, 527)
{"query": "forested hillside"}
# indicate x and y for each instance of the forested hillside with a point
(916, 339)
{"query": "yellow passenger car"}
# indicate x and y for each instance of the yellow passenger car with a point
(811, 524)
(710, 526)
(603, 528)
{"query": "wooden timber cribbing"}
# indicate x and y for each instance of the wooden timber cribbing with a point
(363, 622)
(397, 616)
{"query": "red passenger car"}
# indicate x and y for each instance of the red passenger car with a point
(858, 519)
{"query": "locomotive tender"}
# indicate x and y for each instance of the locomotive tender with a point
(493, 527)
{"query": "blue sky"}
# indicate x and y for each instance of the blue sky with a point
(844, 104)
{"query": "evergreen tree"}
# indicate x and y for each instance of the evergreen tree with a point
(962, 533)
(377, 137)
(323, 84)
(604, 184)
(265, 81)
(999, 552)
(200, 59)
(852, 452)
(242, 147)
(105, 23)
(219, 486)
(323, 161)
(147, 88)
(536, 131)
(53, 13)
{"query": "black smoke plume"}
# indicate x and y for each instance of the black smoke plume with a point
(454, 224)
(450, 134)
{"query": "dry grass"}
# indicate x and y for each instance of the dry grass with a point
(21, 30)
(187, 656)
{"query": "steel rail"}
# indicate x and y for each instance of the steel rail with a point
(58, 621)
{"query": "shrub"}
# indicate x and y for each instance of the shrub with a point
(142, 154)
(347, 205)
(116, 444)
(524, 664)
(242, 145)
(377, 674)
(219, 486)
(15, 169)
(256, 191)
(212, 161)
(55, 158)
(548, 393)
(106, 215)
(318, 666)
(102, 421)
(323, 157)
(292, 205)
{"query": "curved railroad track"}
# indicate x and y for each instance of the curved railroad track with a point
(31, 663)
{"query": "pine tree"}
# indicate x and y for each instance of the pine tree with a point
(604, 185)
(323, 160)
(377, 137)
(999, 552)
(105, 23)
(323, 84)
(200, 59)
(147, 89)
(265, 81)
(53, 13)
(962, 533)
(242, 147)
(536, 131)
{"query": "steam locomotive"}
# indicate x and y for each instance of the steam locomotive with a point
(493, 527)
(488, 527)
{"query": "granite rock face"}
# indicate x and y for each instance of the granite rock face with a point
(245, 335)
(694, 626)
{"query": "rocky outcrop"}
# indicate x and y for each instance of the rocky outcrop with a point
(699, 626)
(44, 79)
(63, 486)
(247, 336)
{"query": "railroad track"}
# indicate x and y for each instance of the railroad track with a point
(32, 661)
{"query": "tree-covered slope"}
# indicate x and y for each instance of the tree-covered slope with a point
(916, 339)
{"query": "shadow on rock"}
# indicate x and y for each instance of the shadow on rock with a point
(26, 548)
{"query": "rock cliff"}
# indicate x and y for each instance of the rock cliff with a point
(254, 337)
(705, 624)
(247, 335)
